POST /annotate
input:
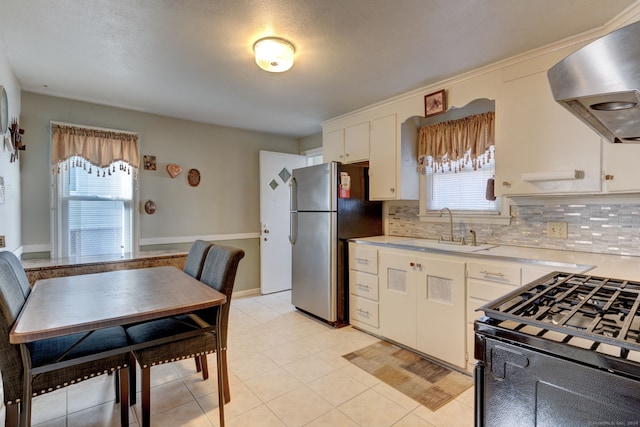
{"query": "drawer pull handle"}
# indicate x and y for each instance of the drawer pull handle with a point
(491, 273)
(362, 260)
(360, 285)
(415, 264)
(363, 312)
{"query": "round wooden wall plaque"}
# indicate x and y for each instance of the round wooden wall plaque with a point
(194, 177)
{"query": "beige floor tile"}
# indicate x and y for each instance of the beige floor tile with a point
(453, 414)
(106, 414)
(165, 397)
(199, 387)
(260, 416)
(333, 418)
(337, 388)
(309, 368)
(373, 409)
(412, 420)
(49, 406)
(272, 384)
(299, 407)
(286, 353)
(395, 395)
(91, 393)
(242, 401)
(251, 366)
(467, 398)
(359, 374)
(187, 415)
(58, 422)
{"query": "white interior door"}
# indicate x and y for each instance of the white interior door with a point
(275, 249)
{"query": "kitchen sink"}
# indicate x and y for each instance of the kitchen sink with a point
(444, 246)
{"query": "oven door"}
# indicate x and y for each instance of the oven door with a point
(520, 386)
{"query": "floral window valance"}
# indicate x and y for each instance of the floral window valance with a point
(456, 144)
(98, 148)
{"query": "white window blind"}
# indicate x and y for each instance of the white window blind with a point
(95, 213)
(464, 190)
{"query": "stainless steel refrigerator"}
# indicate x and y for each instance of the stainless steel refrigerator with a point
(329, 204)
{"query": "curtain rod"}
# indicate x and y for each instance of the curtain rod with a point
(92, 127)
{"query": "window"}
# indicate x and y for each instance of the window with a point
(457, 159)
(95, 213)
(93, 206)
(464, 190)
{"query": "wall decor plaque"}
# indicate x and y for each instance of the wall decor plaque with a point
(435, 103)
(149, 163)
(173, 170)
(194, 177)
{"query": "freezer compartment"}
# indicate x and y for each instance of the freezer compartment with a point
(314, 260)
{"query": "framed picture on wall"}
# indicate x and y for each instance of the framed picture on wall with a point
(435, 103)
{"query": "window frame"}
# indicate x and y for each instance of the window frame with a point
(56, 214)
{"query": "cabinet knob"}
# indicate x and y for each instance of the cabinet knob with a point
(506, 183)
(608, 177)
(393, 190)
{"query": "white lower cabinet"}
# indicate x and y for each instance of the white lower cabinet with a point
(422, 303)
(441, 310)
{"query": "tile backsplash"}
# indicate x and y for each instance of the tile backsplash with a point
(597, 228)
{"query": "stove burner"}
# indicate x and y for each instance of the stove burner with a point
(598, 309)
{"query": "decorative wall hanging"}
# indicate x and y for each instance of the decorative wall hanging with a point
(149, 163)
(435, 103)
(194, 177)
(150, 207)
(173, 170)
(16, 140)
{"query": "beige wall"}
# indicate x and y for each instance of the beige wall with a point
(224, 206)
(10, 210)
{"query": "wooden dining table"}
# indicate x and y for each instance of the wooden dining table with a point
(68, 305)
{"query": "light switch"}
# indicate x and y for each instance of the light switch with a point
(558, 230)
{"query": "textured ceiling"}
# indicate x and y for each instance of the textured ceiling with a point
(193, 59)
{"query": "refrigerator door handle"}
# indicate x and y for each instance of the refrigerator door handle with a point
(293, 229)
(293, 194)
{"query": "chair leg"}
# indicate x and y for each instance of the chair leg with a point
(132, 379)
(198, 364)
(225, 378)
(12, 415)
(204, 366)
(123, 379)
(146, 397)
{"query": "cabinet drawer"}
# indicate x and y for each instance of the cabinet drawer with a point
(487, 291)
(472, 305)
(363, 284)
(499, 273)
(364, 311)
(363, 259)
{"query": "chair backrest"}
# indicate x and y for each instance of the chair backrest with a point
(195, 260)
(219, 272)
(12, 298)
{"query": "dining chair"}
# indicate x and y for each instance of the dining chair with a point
(14, 290)
(219, 272)
(196, 257)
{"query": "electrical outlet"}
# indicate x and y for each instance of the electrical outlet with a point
(2, 244)
(557, 230)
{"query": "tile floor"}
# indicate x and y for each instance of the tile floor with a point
(285, 370)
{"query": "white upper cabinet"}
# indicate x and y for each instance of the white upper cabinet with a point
(349, 145)
(356, 143)
(621, 172)
(541, 141)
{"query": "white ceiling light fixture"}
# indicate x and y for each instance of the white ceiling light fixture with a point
(274, 54)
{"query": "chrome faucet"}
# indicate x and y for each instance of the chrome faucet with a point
(450, 222)
(474, 242)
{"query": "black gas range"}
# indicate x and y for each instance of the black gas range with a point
(562, 350)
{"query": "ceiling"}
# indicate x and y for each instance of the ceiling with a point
(193, 59)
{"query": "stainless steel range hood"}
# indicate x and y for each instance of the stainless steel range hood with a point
(600, 84)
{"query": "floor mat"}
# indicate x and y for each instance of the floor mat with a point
(427, 382)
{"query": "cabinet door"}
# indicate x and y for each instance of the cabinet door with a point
(356, 143)
(539, 135)
(383, 162)
(397, 281)
(441, 309)
(620, 171)
(333, 146)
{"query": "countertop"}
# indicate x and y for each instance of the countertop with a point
(604, 265)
